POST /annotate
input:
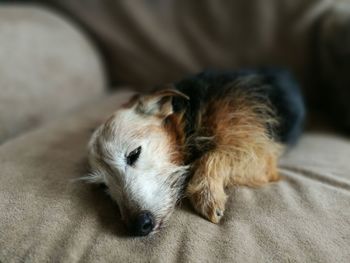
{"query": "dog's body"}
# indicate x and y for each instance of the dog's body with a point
(236, 124)
(208, 132)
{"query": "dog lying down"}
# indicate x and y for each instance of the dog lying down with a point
(193, 139)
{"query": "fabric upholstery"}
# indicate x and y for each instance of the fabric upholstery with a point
(149, 42)
(46, 216)
(51, 69)
(47, 67)
(334, 63)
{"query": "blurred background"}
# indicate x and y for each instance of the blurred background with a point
(58, 54)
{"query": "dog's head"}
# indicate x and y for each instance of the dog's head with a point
(137, 154)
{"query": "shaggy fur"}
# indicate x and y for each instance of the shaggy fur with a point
(196, 137)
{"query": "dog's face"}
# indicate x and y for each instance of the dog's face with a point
(137, 156)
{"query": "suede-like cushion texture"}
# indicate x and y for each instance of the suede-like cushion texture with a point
(47, 67)
(150, 42)
(48, 217)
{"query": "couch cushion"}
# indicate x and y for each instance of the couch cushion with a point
(46, 216)
(47, 67)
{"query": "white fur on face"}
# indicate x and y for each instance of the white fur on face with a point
(154, 182)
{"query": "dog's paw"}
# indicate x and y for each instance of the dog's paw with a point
(208, 202)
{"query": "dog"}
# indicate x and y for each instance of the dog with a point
(194, 139)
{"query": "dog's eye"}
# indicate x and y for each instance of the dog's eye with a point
(133, 156)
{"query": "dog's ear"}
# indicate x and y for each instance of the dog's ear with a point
(159, 103)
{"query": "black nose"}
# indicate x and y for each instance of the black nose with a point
(143, 224)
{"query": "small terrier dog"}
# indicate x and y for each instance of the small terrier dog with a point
(195, 138)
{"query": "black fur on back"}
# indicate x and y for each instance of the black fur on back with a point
(270, 85)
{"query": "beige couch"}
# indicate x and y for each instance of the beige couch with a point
(53, 92)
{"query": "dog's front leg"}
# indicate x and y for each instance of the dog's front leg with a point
(219, 169)
(206, 189)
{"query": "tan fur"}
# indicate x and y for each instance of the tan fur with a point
(159, 103)
(173, 126)
(244, 153)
